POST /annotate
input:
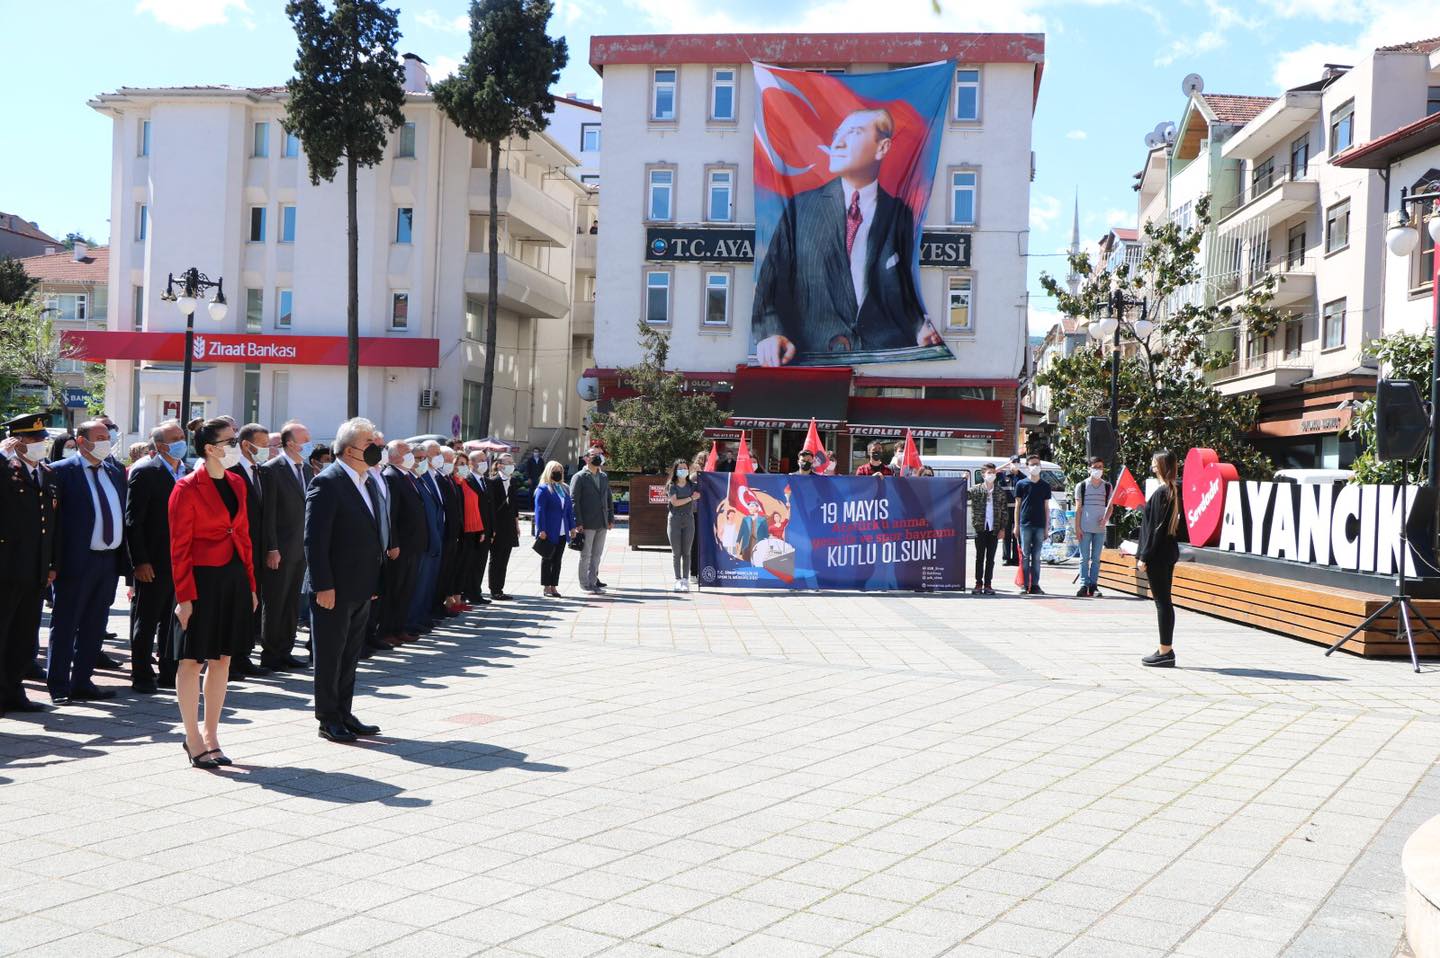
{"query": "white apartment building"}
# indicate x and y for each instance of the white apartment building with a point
(74, 292)
(207, 177)
(677, 167)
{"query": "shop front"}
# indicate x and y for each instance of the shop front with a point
(1308, 427)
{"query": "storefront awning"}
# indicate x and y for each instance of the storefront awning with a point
(780, 398)
(927, 418)
(100, 345)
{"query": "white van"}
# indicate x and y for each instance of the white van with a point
(970, 467)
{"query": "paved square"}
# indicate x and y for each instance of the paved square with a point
(746, 774)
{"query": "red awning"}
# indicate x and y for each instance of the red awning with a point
(927, 418)
(788, 398)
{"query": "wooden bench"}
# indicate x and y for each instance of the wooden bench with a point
(1314, 613)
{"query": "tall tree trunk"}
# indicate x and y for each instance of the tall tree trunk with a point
(492, 318)
(352, 302)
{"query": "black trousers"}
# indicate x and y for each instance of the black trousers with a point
(1010, 555)
(474, 585)
(397, 587)
(20, 605)
(550, 565)
(985, 543)
(338, 635)
(499, 563)
(279, 607)
(1161, 576)
(150, 612)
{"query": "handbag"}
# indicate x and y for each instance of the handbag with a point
(577, 542)
(542, 548)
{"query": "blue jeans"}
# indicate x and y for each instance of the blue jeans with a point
(1090, 545)
(1032, 538)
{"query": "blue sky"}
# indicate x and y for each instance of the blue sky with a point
(1113, 71)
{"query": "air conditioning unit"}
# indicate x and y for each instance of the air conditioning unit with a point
(429, 398)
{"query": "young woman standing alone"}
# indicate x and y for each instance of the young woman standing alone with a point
(683, 495)
(1159, 550)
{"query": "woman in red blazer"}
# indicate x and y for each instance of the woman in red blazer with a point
(214, 583)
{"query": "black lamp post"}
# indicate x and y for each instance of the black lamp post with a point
(1110, 324)
(1402, 238)
(192, 283)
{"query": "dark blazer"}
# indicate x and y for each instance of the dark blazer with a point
(434, 508)
(506, 511)
(407, 513)
(454, 511)
(487, 505)
(205, 532)
(77, 512)
(283, 522)
(342, 538)
(255, 506)
(805, 293)
(27, 523)
(147, 515)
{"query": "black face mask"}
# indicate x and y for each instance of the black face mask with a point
(372, 455)
(805, 467)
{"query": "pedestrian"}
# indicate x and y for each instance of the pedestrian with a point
(477, 480)
(254, 445)
(138, 453)
(505, 492)
(472, 532)
(1092, 516)
(926, 472)
(411, 540)
(215, 596)
(28, 507)
(64, 448)
(990, 517)
(682, 495)
(807, 463)
(533, 468)
(554, 523)
(1032, 517)
(344, 550)
(283, 481)
(1159, 550)
(595, 511)
(320, 457)
(875, 462)
(147, 537)
(420, 617)
(447, 589)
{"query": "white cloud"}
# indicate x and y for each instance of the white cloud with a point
(441, 67)
(1040, 321)
(1119, 217)
(438, 21)
(1303, 65)
(192, 14)
(1044, 210)
(1076, 135)
(1341, 11)
(1385, 22)
(1187, 47)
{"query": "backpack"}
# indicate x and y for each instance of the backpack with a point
(1086, 482)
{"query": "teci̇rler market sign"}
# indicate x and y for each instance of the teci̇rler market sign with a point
(1353, 527)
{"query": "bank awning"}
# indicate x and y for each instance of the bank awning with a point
(927, 418)
(781, 398)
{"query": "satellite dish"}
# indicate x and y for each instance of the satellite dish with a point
(588, 387)
(1153, 140)
(1165, 131)
(1192, 84)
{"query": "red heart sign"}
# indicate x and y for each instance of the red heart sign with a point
(1204, 483)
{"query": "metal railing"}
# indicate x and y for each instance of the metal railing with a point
(1264, 361)
(1261, 180)
(1252, 271)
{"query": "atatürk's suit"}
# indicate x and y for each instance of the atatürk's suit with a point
(805, 293)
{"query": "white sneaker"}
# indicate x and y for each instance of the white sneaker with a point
(684, 585)
(678, 586)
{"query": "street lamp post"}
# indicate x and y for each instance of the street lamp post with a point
(1402, 238)
(192, 283)
(1110, 324)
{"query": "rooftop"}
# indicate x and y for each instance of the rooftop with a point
(1235, 108)
(1414, 46)
(817, 49)
(63, 267)
(11, 223)
(1381, 152)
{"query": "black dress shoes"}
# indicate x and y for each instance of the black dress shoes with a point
(92, 694)
(144, 685)
(336, 732)
(1160, 660)
(247, 669)
(501, 596)
(37, 672)
(360, 728)
(21, 704)
(601, 585)
(106, 661)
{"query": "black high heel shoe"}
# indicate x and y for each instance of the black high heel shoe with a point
(199, 761)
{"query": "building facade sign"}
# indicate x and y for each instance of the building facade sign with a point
(703, 244)
(97, 346)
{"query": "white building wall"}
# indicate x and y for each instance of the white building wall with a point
(1408, 293)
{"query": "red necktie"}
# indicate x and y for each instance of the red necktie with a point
(852, 222)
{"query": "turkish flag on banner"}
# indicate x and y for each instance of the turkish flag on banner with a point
(910, 463)
(713, 458)
(743, 462)
(738, 488)
(812, 445)
(1127, 493)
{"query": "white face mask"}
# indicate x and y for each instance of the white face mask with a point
(230, 458)
(989, 478)
(35, 451)
(1095, 473)
(1034, 472)
(408, 462)
(436, 461)
(506, 470)
(681, 473)
(463, 471)
(422, 467)
(101, 449)
(70, 453)
(447, 468)
(261, 454)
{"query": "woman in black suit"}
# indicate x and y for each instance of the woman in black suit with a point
(1159, 550)
(505, 533)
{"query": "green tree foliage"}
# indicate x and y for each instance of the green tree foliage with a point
(30, 355)
(344, 100)
(1402, 356)
(72, 238)
(16, 285)
(502, 89)
(664, 420)
(1164, 399)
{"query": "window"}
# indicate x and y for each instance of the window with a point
(959, 392)
(1424, 258)
(1337, 227)
(720, 195)
(963, 184)
(589, 137)
(959, 291)
(661, 193)
(280, 395)
(717, 299)
(722, 93)
(260, 140)
(284, 303)
(1262, 177)
(254, 310)
(407, 140)
(144, 149)
(967, 95)
(399, 309)
(471, 398)
(287, 223)
(590, 179)
(142, 221)
(404, 221)
(292, 145)
(1432, 100)
(68, 307)
(1300, 157)
(257, 224)
(251, 400)
(1333, 328)
(1342, 127)
(137, 320)
(1295, 247)
(662, 102)
(1294, 338)
(657, 297)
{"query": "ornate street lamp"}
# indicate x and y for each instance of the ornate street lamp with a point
(192, 284)
(1402, 239)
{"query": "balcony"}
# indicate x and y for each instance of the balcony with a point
(585, 244)
(1296, 285)
(1263, 372)
(582, 320)
(1274, 194)
(1279, 120)
(530, 214)
(523, 289)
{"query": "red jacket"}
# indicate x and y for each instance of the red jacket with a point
(202, 532)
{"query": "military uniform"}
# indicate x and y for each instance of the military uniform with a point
(28, 508)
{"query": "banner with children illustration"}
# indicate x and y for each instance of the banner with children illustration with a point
(761, 530)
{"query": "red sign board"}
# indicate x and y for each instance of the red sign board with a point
(96, 345)
(1203, 491)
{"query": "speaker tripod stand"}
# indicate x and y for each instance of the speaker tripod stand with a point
(1401, 603)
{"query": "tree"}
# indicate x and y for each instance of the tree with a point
(1164, 398)
(16, 285)
(502, 89)
(664, 420)
(345, 98)
(1402, 356)
(30, 355)
(73, 237)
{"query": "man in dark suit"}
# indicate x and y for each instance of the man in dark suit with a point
(147, 538)
(254, 442)
(418, 619)
(92, 495)
(448, 585)
(478, 480)
(838, 274)
(27, 534)
(412, 539)
(280, 561)
(505, 494)
(344, 550)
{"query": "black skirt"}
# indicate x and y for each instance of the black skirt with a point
(220, 616)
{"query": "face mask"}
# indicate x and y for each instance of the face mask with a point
(422, 467)
(101, 449)
(35, 451)
(989, 478)
(1034, 472)
(557, 477)
(463, 471)
(506, 470)
(681, 473)
(408, 462)
(436, 461)
(230, 458)
(114, 435)
(806, 466)
(306, 449)
(447, 468)
(261, 453)
(70, 453)
(1095, 473)
(177, 449)
(372, 454)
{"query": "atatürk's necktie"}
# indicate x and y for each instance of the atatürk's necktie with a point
(107, 521)
(852, 222)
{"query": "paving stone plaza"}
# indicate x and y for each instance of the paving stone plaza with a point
(754, 774)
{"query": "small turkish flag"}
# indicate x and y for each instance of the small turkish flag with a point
(1127, 493)
(713, 458)
(812, 445)
(743, 462)
(910, 464)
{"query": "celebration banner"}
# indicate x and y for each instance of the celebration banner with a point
(843, 170)
(831, 532)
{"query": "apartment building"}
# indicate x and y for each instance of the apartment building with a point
(74, 291)
(677, 214)
(20, 238)
(207, 177)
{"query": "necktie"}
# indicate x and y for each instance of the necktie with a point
(852, 221)
(107, 521)
(374, 495)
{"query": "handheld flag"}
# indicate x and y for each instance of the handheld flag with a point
(714, 457)
(737, 487)
(1127, 493)
(743, 462)
(910, 465)
(813, 446)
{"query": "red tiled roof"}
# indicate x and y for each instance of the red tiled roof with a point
(1231, 108)
(1414, 46)
(62, 267)
(11, 223)
(1125, 233)
(1406, 141)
